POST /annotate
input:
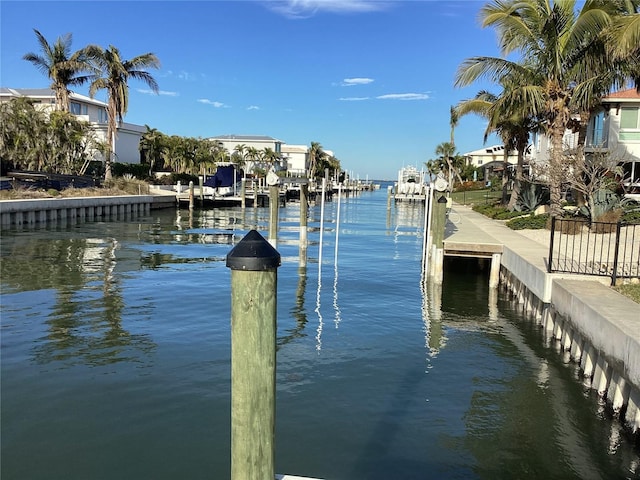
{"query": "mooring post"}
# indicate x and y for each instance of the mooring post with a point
(439, 218)
(191, 195)
(389, 196)
(253, 263)
(274, 193)
(201, 185)
(304, 213)
(494, 275)
(274, 204)
(243, 193)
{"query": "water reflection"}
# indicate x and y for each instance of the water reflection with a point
(431, 309)
(319, 314)
(84, 325)
(298, 311)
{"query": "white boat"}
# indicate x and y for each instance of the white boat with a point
(411, 184)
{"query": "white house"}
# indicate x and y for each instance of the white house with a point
(89, 110)
(614, 128)
(259, 142)
(490, 159)
(297, 158)
(484, 156)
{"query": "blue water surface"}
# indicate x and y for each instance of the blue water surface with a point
(116, 356)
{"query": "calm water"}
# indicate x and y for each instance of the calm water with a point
(116, 358)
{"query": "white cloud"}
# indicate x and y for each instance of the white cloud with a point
(253, 107)
(404, 96)
(212, 102)
(308, 8)
(181, 75)
(353, 99)
(349, 82)
(160, 92)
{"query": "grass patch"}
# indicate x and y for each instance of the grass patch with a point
(630, 290)
(476, 197)
(118, 186)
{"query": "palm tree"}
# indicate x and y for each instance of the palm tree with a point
(151, 147)
(316, 155)
(239, 154)
(454, 118)
(446, 151)
(114, 78)
(623, 39)
(510, 120)
(61, 66)
(271, 157)
(564, 66)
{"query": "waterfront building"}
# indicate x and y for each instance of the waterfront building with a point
(259, 142)
(490, 159)
(89, 110)
(614, 128)
(297, 158)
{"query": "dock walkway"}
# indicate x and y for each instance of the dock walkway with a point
(597, 326)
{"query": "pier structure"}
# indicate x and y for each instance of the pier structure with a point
(255, 194)
(581, 316)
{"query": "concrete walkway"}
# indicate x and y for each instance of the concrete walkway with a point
(475, 228)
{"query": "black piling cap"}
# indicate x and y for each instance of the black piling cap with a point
(253, 253)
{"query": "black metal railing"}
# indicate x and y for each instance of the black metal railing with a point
(594, 248)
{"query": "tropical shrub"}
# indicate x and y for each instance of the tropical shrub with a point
(495, 211)
(529, 222)
(600, 203)
(532, 195)
(607, 222)
(468, 185)
(137, 170)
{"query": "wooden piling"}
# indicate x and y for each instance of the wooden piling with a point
(253, 263)
(439, 217)
(274, 205)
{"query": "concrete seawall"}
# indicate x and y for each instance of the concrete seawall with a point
(588, 322)
(53, 210)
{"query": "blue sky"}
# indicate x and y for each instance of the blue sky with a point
(371, 81)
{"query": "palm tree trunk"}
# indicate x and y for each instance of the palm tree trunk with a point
(517, 184)
(555, 171)
(505, 176)
(582, 138)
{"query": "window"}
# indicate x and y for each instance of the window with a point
(629, 125)
(631, 173)
(596, 131)
(102, 115)
(78, 109)
(629, 118)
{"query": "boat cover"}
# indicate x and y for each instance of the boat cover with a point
(224, 177)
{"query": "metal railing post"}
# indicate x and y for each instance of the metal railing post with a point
(614, 274)
(553, 229)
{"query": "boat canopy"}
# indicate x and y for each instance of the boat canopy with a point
(224, 177)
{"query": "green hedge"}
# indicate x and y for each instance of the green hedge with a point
(530, 222)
